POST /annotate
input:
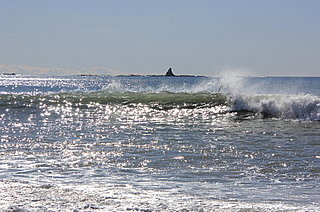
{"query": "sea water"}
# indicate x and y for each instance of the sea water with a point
(101, 143)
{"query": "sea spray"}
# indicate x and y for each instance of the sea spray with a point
(231, 83)
(257, 98)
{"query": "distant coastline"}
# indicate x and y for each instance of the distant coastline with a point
(169, 73)
(155, 75)
(9, 74)
(120, 75)
(149, 75)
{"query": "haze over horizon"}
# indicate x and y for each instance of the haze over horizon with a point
(259, 38)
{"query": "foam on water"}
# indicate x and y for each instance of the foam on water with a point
(300, 107)
(119, 197)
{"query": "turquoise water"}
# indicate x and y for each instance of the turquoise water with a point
(159, 143)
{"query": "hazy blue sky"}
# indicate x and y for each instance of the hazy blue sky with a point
(261, 37)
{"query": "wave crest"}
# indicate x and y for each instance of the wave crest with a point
(302, 106)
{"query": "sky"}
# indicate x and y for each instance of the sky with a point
(197, 37)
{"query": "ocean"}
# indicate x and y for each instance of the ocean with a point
(103, 143)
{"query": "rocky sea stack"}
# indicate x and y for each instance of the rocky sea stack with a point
(170, 73)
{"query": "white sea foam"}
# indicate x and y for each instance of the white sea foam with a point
(302, 107)
(116, 197)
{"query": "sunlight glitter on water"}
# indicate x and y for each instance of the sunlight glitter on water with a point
(126, 151)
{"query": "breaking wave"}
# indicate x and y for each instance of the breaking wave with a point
(227, 92)
(302, 106)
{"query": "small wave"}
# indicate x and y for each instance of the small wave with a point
(161, 98)
(168, 99)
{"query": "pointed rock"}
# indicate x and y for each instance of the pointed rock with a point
(169, 73)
